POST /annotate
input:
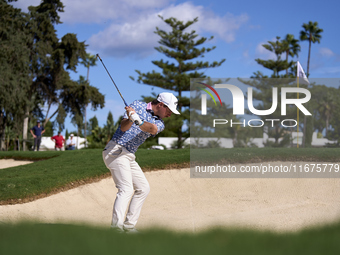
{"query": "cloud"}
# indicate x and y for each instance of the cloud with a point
(99, 11)
(137, 37)
(127, 26)
(147, 3)
(103, 11)
(325, 52)
(225, 27)
(126, 39)
(23, 5)
(263, 53)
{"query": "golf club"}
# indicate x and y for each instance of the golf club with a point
(134, 116)
(112, 79)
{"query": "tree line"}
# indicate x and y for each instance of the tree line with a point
(181, 48)
(35, 66)
(34, 70)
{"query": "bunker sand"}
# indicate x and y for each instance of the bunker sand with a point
(6, 163)
(178, 202)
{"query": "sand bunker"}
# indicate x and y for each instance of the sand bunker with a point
(6, 163)
(178, 202)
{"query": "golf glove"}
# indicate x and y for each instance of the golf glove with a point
(135, 118)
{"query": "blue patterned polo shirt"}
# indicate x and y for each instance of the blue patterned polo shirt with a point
(134, 137)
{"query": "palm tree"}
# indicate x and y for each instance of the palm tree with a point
(90, 60)
(310, 33)
(291, 46)
(110, 127)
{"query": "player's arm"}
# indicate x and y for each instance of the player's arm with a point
(126, 124)
(145, 126)
(149, 128)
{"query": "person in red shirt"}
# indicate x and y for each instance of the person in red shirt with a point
(59, 141)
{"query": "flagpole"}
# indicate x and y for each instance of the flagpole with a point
(297, 108)
(299, 73)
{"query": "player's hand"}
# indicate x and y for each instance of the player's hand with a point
(136, 119)
(129, 111)
(133, 116)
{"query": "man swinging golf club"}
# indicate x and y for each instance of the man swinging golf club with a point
(140, 121)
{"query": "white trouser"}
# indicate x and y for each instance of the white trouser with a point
(130, 182)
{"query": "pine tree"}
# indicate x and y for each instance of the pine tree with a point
(278, 65)
(291, 47)
(180, 47)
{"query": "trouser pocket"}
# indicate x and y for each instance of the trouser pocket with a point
(112, 151)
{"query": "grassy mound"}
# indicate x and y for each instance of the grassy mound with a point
(33, 239)
(57, 171)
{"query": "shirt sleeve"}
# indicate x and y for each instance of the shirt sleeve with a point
(160, 127)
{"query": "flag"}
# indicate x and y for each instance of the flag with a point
(300, 73)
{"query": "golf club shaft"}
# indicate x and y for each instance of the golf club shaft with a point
(112, 80)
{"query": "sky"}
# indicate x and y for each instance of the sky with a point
(122, 33)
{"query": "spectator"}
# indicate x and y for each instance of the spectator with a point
(59, 142)
(70, 143)
(37, 132)
(17, 144)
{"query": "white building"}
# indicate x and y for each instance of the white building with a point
(228, 142)
(48, 145)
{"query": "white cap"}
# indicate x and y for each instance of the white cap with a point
(169, 100)
(71, 134)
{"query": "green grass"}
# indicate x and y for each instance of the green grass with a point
(33, 239)
(255, 155)
(55, 171)
(61, 170)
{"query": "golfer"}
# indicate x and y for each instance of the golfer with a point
(119, 156)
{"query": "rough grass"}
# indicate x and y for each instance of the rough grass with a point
(33, 239)
(57, 171)
(256, 155)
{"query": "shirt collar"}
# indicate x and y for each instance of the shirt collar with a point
(149, 109)
(149, 106)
